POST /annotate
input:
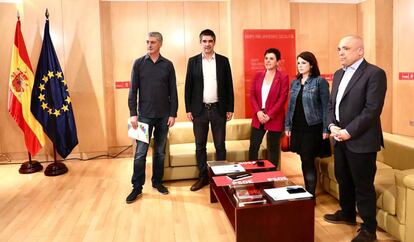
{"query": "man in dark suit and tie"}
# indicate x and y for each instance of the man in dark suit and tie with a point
(354, 110)
(209, 99)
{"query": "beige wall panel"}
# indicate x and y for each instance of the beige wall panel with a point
(108, 72)
(403, 110)
(225, 26)
(82, 50)
(384, 49)
(342, 21)
(319, 31)
(124, 31)
(275, 14)
(312, 31)
(244, 15)
(366, 28)
(199, 16)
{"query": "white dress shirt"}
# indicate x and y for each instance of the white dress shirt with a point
(209, 79)
(349, 72)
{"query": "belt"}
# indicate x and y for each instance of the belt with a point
(210, 105)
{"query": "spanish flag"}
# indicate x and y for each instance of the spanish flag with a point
(21, 82)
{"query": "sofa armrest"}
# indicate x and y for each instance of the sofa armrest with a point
(409, 181)
(404, 181)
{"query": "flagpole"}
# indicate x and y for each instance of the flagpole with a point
(56, 168)
(30, 166)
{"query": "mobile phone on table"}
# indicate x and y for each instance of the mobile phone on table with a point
(295, 190)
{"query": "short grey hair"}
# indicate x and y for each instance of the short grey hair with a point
(156, 35)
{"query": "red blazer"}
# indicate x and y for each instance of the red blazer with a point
(275, 103)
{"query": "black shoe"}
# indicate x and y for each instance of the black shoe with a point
(201, 182)
(161, 189)
(339, 218)
(365, 236)
(134, 195)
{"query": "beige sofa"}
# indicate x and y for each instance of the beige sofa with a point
(394, 185)
(180, 161)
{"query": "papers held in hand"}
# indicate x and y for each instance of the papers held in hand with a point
(141, 133)
(239, 176)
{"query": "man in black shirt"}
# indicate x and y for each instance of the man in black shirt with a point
(153, 81)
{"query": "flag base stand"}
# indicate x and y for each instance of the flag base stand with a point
(30, 166)
(56, 169)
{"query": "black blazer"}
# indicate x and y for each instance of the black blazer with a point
(194, 85)
(360, 107)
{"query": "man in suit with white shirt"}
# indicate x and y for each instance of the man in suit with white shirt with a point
(354, 110)
(209, 99)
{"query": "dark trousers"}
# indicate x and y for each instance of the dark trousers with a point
(201, 123)
(309, 172)
(355, 174)
(273, 145)
(160, 137)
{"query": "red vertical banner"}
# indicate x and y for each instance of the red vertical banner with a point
(256, 42)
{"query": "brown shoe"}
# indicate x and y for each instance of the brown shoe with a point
(339, 218)
(201, 182)
(365, 236)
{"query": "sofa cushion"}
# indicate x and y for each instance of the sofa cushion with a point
(398, 151)
(238, 129)
(385, 190)
(237, 150)
(382, 165)
(182, 133)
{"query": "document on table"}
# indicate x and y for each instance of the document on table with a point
(225, 169)
(141, 133)
(281, 193)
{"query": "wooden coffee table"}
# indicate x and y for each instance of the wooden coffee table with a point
(287, 221)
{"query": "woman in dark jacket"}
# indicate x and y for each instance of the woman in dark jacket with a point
(268, 95)
(305, 121)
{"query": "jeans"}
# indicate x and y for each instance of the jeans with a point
(273, 145)
(200, 129)
(159, 125)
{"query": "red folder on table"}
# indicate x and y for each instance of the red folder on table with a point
(257, 177)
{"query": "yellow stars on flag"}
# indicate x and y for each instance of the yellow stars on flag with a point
(41, 97)
(44, 106)
(42, 87)
(58, 111)
(65, 108)
(50, 74)
(45, 79)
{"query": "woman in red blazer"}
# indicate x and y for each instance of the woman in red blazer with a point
(268, 95)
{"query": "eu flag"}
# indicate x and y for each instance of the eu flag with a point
(51, 104)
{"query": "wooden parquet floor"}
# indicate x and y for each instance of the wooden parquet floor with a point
(88, 204)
